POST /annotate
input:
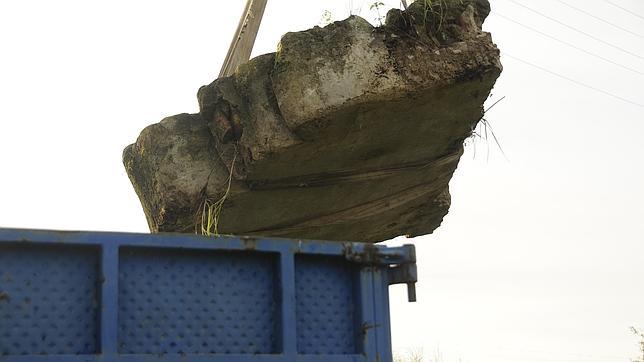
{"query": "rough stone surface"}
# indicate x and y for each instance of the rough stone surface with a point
(347, 132)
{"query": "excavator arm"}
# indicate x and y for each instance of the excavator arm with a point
(245, 35)
(244, 38)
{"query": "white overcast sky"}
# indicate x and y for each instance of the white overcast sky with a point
(541, 257)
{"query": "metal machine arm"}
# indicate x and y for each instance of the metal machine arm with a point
(244, 38)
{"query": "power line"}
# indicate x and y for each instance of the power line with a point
(568, 44)
(575, 29)
(575, 81)
(624, 9)
(600, 19)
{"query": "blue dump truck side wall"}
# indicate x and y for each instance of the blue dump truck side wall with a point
(92, 296)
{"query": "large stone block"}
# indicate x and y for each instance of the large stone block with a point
(347, 132)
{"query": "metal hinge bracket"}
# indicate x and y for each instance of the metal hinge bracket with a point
(401, 262)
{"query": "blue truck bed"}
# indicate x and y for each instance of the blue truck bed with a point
(96, 296)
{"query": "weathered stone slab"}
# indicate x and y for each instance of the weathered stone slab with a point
(347, 132)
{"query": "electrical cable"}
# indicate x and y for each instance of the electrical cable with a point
(600, 19)
(567, 43)
(577, 30)
(574, 81)
(624, 9)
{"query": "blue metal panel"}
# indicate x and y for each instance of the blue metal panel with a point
(326, 321)
(83, 296)
(287, 288)
(177, 301)
(187, 358)
(367, 315)
(109, 298)
(381, 315)
(49, 300)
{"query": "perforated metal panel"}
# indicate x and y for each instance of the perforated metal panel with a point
(48, 299)
(173, 301)
(110, 297)
(325, 296)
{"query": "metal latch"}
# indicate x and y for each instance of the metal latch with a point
(406, 272)
(401, 262)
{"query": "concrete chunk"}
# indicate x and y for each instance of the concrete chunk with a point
(347, 132)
